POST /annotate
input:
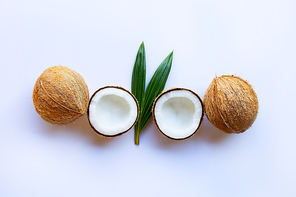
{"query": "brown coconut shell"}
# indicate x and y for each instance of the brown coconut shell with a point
(60, 95)
(116, 135)
(163, 94)
(231, 104)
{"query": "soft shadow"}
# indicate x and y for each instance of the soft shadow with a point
(207, 133)
(161, 140)
(82, 128)
(79, 128)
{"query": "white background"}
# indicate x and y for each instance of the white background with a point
(252, 39)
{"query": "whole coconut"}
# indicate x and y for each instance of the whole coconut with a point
(60, 95)
(231, 104)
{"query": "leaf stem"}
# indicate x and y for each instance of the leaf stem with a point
(154, 88)
(137, 136)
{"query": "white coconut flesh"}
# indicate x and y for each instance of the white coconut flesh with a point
(178, 113)
(112, 111)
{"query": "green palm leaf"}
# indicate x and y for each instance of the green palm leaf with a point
(139, 79)
(154, 88)
(139, 75)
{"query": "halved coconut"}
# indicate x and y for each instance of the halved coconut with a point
(112, 111)
(178, 113)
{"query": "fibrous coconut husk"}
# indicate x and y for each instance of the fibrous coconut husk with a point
(60, 95)
(231, 104)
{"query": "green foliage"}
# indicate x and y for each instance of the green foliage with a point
(154, 88)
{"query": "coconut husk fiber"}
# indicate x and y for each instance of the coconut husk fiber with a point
(60, 95)
(231, 104)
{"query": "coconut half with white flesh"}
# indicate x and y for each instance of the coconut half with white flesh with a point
(178, 113)
(112, 111)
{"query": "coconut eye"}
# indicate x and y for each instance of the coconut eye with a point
(178, 113)
(112, 111)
